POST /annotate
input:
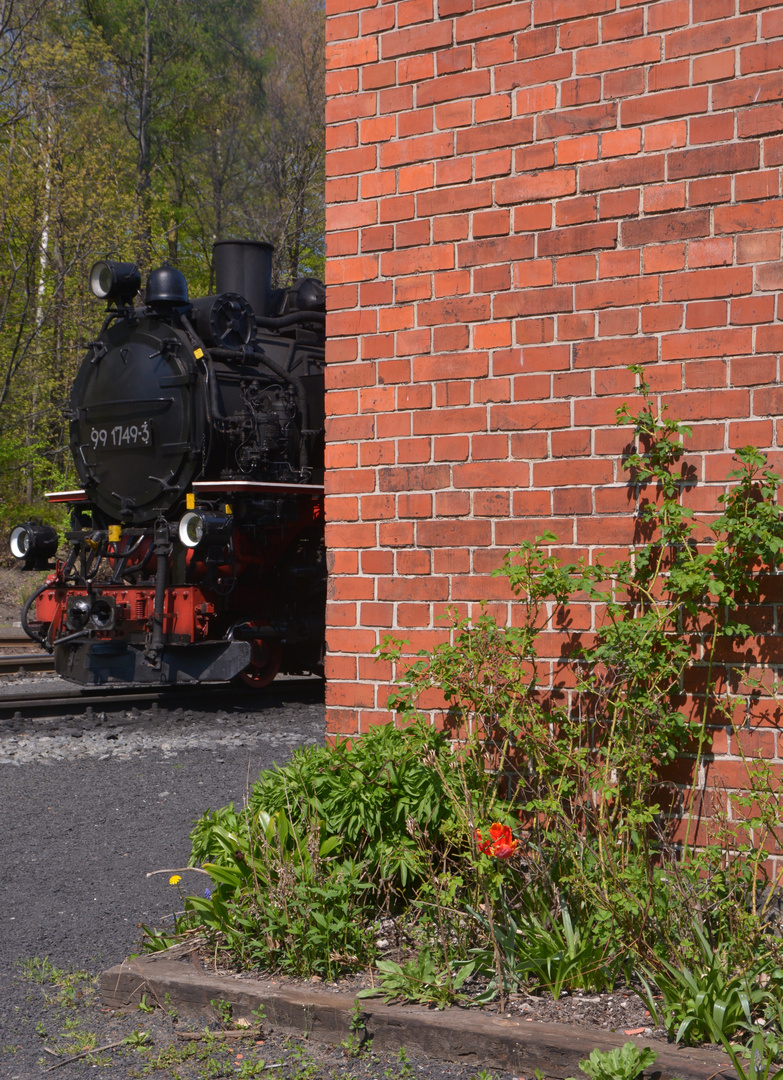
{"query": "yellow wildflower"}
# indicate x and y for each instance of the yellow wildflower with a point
(174, 879)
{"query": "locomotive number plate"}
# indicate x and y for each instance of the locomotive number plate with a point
(122, 436)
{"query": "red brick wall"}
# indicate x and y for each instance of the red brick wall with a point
(524, 197)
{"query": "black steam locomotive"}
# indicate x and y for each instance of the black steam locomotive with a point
(197, 431)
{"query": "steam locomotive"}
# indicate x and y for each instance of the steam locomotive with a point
(197, 432)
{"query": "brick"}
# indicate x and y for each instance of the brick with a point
(706, 343)
(747, 92)
(406, 151)
(576, 34)
(491, 136)
(375, 76)
(701, 284)
(662, 317)
(644, 170)
(618, 321)
(581, 268)
(416, 39)
(711, 37)
(715, 127)
(452, 533)
(619, 264)
(498, 20)
(757, 185)
(559, 11)
(652, 107)
(546, 185)
(449, 87)
(582, 91)
(535, 158)
(770, 276)
(765, 57)
(646, 50)
(616, 293)
(615, 352)
(708, 405)
(665, 136)
(706, 313)
(750, 218)
(346, 54)
(759, 121)
(576, 239)
(531, 274)
(667, 15)
(664, 197)
(666, 227)
(420, 121)
(541, 415)
(580, 149)
(667, 76)
(714, 66)
(574, 121)
(532, 302)
(531, 72)
(497, 163)
(484, 252)
(717, 252)
(616, 143)
(626, 24)
(494, 51)
(624, 84)
(709, 192)
(753, 371)
(734, 157)
(574, 211)
(619, 204)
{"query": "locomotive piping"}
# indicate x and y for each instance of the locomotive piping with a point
(286, 376)
(25, 611)
(294, 319)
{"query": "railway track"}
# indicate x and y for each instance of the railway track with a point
(20, 655)
(64, 698)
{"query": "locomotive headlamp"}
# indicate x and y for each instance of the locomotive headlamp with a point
(115, 280)
(197, 527)
(33, 545)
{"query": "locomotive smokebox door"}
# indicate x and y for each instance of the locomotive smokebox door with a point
(137, 420)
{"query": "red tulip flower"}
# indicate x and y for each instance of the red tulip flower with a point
(501, 843)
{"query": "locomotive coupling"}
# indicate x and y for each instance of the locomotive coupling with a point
(33, 545)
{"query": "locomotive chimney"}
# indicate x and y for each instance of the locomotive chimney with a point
(245, 267)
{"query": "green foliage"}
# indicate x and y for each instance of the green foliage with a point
(569, 762)
(328, 839)
(759, 1060)
(423, 979)
(710, 1002)
(622, 1063)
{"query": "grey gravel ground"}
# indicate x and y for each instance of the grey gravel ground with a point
(88, 806)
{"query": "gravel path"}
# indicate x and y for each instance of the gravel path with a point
(89, 805)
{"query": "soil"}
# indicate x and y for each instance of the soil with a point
(15, 586)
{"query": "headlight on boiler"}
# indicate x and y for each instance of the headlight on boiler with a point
(197, 526)
(33, 545)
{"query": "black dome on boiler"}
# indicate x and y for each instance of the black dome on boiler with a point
(166, 286)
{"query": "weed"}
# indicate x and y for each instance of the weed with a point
(760, 1060)
(144, 1006)
(622, 1063)
(223, 1010)
(357, 1042)
(137, 1039)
